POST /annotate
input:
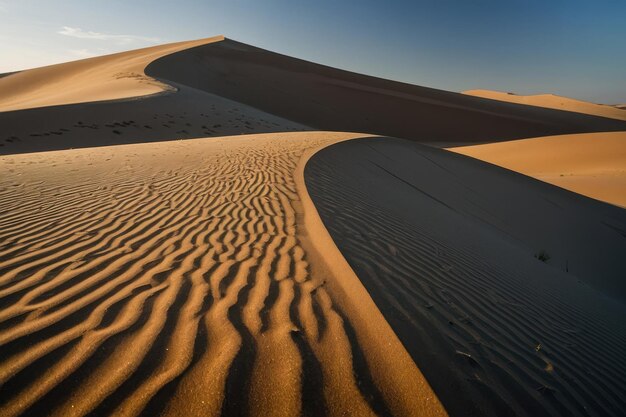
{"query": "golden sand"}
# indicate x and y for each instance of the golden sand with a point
(187, 262)
(592, 164)
(552, 101)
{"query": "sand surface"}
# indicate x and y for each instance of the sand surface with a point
(188, 113)
(552, 101)
(94, 79)
(194, 276)
(330, 99)
(591, 164)
(220, 87)
(172, 278)
(447, 245)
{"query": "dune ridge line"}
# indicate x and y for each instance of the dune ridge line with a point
(103, 78)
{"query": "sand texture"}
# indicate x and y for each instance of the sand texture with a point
(94, 79)
(190, 229)
(220, 87)
(592, 164)
(447, 246)
(330, 99)
(170, 278)
(185, 114)
(552, 101)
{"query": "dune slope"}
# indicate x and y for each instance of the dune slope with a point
(592, 164)
(451, 250)
(195, 278)
(110, 109)
(331, 99)
(218, 87)
(552, 101)
(177, 279)
(186, 114)
(107, 77)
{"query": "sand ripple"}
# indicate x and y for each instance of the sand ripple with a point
(168, 279)
(495, 331)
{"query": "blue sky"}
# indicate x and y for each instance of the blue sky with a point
(575, 48)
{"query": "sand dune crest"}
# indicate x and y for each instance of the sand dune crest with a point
(107, 77)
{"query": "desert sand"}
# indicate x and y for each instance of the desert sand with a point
(175, 278)
(327, 98)
(108, 77)
(219, 242)
(552, 101)
(220, 87)
(592, 164)
(508, 292)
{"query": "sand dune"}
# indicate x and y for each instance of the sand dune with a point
(175, 279)
(447, 246)
(552, 101)
(330, 99)
(591, 164)
(196, 277)
(101, 78)
(216, 87)
(138, 114)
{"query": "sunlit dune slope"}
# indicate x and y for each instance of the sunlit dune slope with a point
(592, 164)
(552, 101)
(102, 78)
(184, 279)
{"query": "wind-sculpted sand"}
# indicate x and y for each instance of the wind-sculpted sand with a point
(508, 292)
(220, 87)
(195, 276)
(179, 279)
(107, 77)
(331, 99)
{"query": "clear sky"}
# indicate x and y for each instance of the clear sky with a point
(575, 48)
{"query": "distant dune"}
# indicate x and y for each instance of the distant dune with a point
(552, 101)
(107, 77)
(592, 164)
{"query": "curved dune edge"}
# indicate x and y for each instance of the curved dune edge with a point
(403, 385)
(331, 99)
(445, 245)
(178, 284)
(590, 164)
(109, 77)
(551, 101)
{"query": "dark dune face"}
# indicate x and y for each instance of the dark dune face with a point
(185, 114)
(221, 84)
(330, 99)
(447, 247)
(8, 73)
